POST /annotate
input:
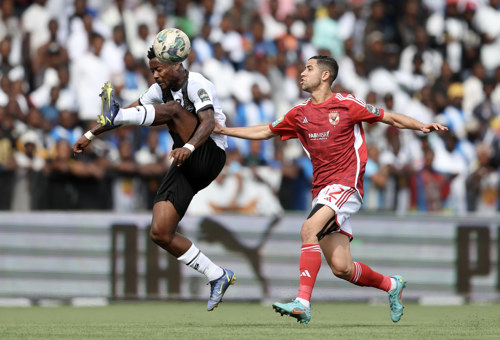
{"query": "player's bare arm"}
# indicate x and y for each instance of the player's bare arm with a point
(404, 122)
(84, 141)
(184, 128)
(257, 132)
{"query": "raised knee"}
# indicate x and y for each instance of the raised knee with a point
(158, 236)
(341, 271)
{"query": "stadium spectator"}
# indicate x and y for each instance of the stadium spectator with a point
(483, 183)
(126, 184)
(52, 54)
(490, 34)
(452, 159)
(230, 40)
(326, 31)
(409, 22)
(375, 181)
(153, 163)
(72, 183)
(113, 52)
(9, 23)
(141, 41)
(397, 159)
(67, 127)
(473, 88)
(296, 182)
(131, 82)
(429, 188)
(7, 160)
(256, 43)
(431, 58)
(220, 72)
(273, 13)
(202, 46)
(7, 62)
(259, 110)
(486, 112)
(34, 21)
(28, 181)
(49, 111)
(86, 82)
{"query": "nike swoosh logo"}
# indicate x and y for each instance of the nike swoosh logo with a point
(222, 285)
(294, 311)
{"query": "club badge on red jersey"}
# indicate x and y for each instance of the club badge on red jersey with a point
(334, 117)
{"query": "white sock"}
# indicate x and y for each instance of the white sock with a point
(194, 258)
(304, 302)
(393, 285)
(138, 115)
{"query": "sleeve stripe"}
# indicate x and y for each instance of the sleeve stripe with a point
(210, 106)
(351, 98)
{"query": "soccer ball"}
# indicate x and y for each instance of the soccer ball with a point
(171, 46)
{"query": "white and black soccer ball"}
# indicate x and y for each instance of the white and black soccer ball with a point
(171, 46)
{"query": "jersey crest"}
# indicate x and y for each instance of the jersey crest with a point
(334, 117)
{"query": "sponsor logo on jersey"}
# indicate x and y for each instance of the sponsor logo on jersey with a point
(277, 121)
(319, 135)
(203, 95)
(373, 109)
(334, 117)
(305, 121)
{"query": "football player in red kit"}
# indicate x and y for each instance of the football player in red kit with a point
(329, 127)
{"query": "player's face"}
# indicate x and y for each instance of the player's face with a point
(310, 78)
(164, 75)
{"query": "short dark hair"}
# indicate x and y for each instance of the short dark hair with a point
(327, 63)
(151, 53)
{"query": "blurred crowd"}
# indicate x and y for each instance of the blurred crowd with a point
(434, 60)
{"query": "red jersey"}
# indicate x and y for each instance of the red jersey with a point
(333, 136)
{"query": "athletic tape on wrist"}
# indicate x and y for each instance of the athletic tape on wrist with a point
(89, 135)
(189, 146)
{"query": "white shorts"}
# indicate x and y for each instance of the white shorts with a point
(344, 200)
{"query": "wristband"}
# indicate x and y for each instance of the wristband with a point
(89, 135)
(188, 146)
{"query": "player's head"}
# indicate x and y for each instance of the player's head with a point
(328, 64)
(319, 71)
(167, 76)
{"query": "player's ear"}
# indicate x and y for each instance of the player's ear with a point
(325, 75)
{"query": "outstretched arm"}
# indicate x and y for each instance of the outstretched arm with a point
(85, 140)
(247, 132)
(404, 122)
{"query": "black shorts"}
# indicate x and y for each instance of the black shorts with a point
(180, 184)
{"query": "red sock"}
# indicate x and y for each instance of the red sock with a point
(366, 277)
(310, 262)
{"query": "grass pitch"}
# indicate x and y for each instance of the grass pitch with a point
(237, 320)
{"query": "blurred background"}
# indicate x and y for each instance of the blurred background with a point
(434, 60)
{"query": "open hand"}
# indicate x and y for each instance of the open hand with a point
(433, 127)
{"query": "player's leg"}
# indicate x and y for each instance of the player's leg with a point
(173, 198)
(147, 115)
(319, 221)
(163, 233)
(336, 248)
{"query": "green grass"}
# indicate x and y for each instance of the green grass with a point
(236, 320)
